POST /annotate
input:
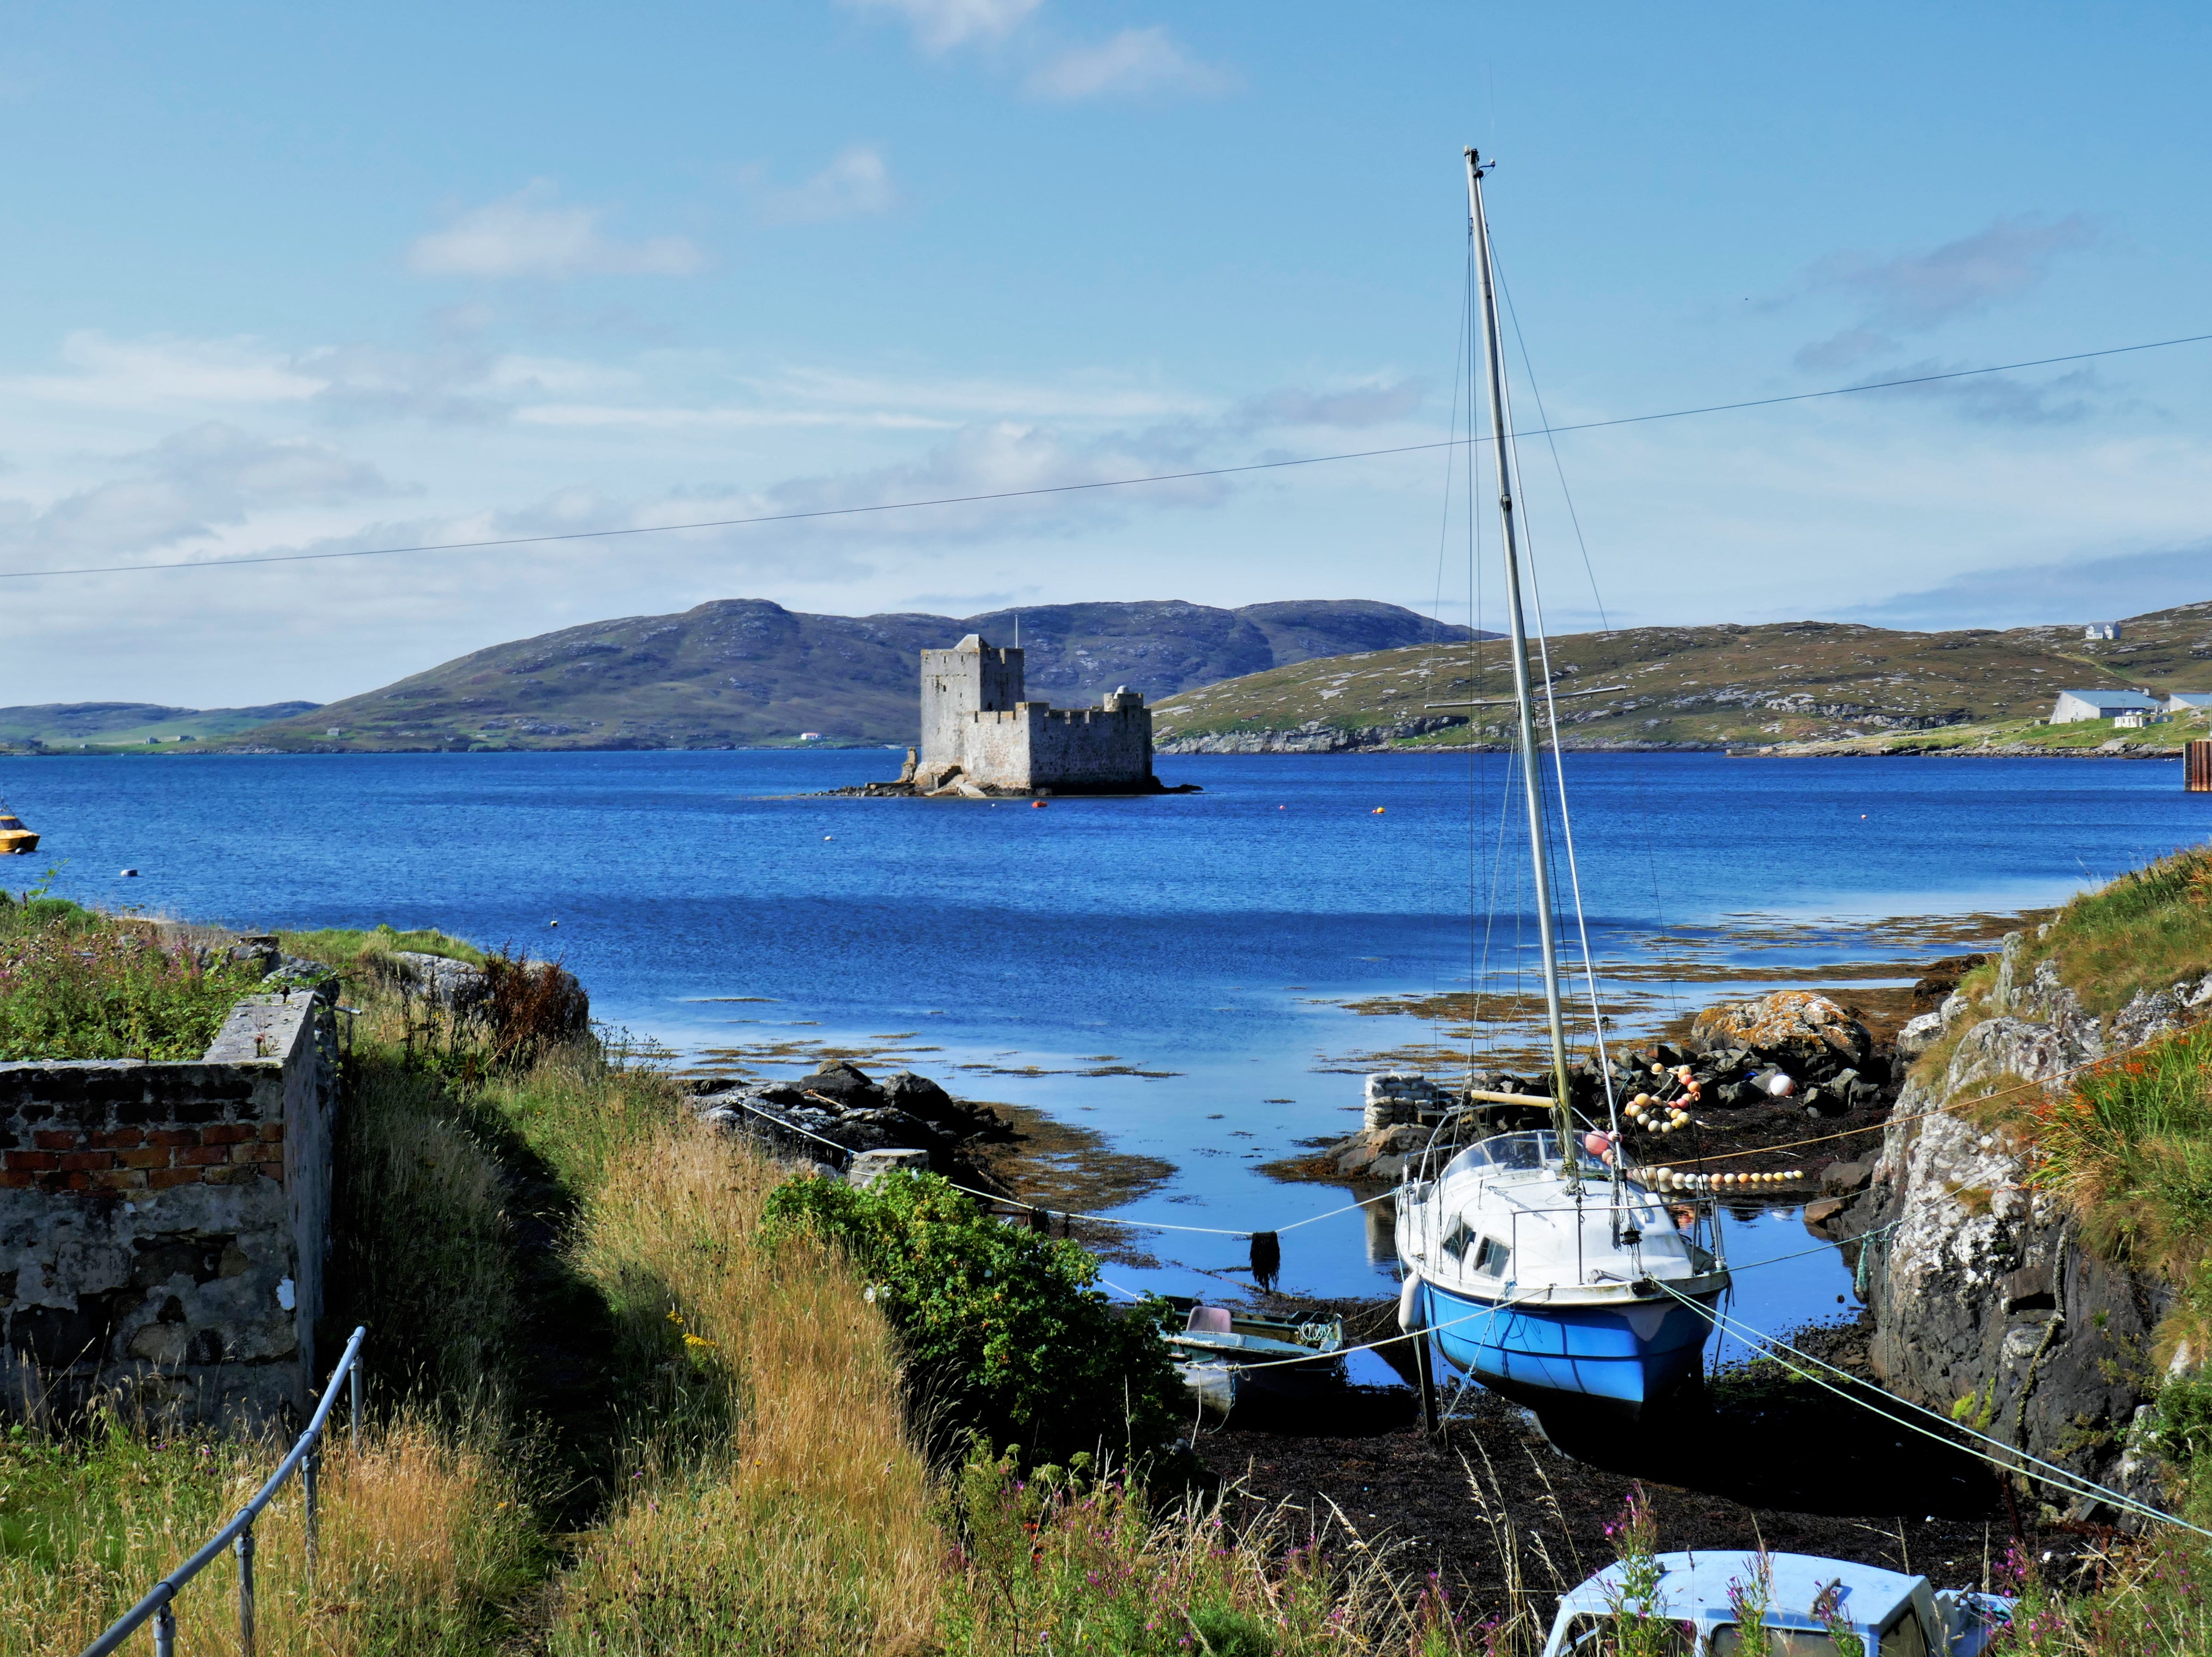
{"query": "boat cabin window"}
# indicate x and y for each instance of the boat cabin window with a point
(1904, 1637)
(1456, 1239)
(1597, 1634)
(1727, 1641)
(1490, 1259)
(1518, 1152)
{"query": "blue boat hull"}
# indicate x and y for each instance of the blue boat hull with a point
(1622, 1358)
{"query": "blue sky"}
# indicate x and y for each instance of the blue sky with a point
(283, 279)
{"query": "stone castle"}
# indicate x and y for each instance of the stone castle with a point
(979, 736)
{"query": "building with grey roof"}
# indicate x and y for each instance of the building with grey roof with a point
(2075, 705)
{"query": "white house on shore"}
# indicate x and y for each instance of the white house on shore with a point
(2075, 706)
(2189, 701)
(2101, 630)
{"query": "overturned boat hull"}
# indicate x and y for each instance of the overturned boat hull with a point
(1620, 1358)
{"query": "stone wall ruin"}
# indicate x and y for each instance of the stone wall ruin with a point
(163, 1225)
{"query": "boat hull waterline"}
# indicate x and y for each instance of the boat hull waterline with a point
(1623, 1358)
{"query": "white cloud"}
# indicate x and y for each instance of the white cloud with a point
(996, 459)
(1079, 397)
(2080, 589)
(531, 234)
(1916, 292)
(163, 370)
(182, 489)
(939, 25)
(1375, 403)
(1134, 61)
(858, 182)
(679, 418)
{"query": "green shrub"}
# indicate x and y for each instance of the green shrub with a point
(73, 991)
(2181, 1427)
(1002, 1333)
(32, 913)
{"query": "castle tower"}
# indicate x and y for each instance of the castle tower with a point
(971, 677)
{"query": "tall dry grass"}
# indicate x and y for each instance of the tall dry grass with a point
(421, 1247)
(425, 1535)
(776, 1504)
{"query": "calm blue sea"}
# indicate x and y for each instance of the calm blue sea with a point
(1209, 935)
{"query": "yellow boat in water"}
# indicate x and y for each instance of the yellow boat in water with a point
(15, 839)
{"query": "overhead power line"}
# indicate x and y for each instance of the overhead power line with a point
(1077, 488)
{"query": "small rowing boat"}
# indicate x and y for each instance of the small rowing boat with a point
(1222, 1354)
(1806, 1605)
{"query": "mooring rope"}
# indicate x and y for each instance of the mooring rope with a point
(2075, 1483)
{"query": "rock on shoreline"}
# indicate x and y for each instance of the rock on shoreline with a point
(1837, 1074)
(1985, 1302)
(839, 1114)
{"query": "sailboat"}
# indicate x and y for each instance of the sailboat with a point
(1536, 1260)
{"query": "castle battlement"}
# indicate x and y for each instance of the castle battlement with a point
(978, 729)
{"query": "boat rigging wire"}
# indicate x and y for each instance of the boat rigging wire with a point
(1077, 488)
(2072, 1483)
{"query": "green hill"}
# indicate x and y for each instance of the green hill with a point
(109, 725)
(1788, 683)
(744, 672)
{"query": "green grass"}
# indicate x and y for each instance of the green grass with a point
(74, 984)
(2146, 931)
(345, 946)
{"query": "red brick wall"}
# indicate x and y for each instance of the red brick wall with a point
(145, 1159)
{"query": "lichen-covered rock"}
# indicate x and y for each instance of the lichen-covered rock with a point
(2151, 1014)
(453, 984)
(2017, 1047)
(1919, 1035)
(1363, 1155)
(1799, 1029)
(1984, 1304)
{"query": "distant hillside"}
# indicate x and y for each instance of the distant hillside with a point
(67, 724)
(1793, 682)
(744, 672)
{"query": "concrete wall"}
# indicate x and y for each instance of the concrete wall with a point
(163, 1227)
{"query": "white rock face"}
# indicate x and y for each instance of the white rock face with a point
(1919, 1035)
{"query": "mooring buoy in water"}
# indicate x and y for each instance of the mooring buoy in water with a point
(127, 874)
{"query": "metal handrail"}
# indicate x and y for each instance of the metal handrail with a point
(160, 1601)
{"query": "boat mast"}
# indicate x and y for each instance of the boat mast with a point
(1532, 777)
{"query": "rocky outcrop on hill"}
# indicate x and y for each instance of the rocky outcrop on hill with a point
(1986, 1307)
(1777, 687)
(1314, 736)
(839, 1114)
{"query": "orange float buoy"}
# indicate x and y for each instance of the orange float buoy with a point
(1037, 806)
(1376, 812)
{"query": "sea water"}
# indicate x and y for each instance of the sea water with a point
(1193, 954)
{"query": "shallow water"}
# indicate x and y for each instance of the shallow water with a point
(1211, 939)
